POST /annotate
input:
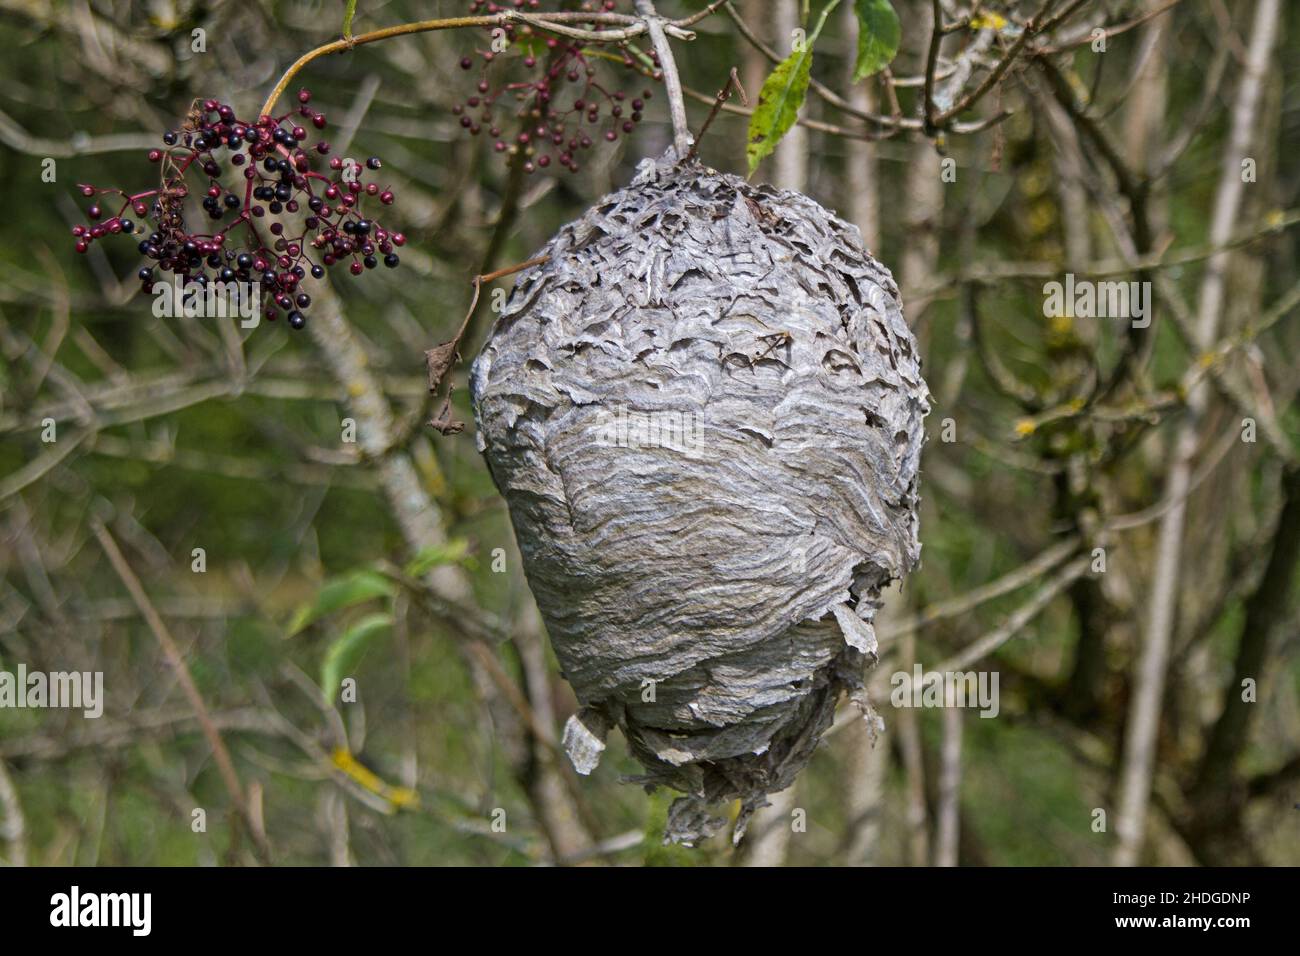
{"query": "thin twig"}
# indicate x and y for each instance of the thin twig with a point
(440, 360)
(550, 22)
(1011, 581)
(510, 270)
(985, 274)
(697, 17)
(831, 129)
(724, 94)
(219, 752)
(20, 141)
(1018, 619)
(41, 465)
(1030, 30)
(932, 64)
(1090, 37)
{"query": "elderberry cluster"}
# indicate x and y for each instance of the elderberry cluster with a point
(561, 105)
(257, 232)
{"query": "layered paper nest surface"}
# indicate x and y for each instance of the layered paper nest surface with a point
(705, 414)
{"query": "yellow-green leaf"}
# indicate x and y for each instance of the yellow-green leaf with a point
(451, 552)
(349, 590)
(782, 95)
(345, 653)
(878, 37)
(778, 104)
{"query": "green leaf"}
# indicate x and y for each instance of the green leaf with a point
(878, 37)
(782, 95)
(345, 653)
(778, 105)
(355, 588)
(451, 552)
(347, 18)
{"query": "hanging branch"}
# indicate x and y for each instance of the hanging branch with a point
(672, 82)
(557, 23)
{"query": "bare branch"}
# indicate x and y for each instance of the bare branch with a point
(219, 752)
(1149, 678)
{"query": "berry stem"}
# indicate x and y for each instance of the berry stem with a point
(632, 26)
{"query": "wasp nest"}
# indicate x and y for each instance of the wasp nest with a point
(704, 411)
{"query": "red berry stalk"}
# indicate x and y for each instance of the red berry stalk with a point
(278, 182)
(558, 91)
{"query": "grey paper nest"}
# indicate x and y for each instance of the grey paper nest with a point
(705, 414)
